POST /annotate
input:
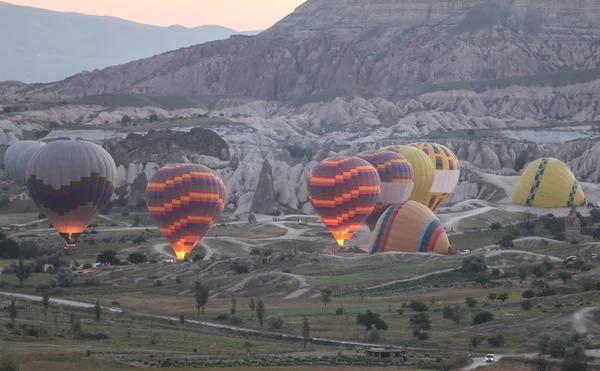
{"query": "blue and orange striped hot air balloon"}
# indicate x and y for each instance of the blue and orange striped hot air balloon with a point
(397, 180)
(343, 191)
(185, 200)
(409, 227)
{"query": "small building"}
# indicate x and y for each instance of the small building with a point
(387, 354)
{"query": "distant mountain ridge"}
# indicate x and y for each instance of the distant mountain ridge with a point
(47, 46)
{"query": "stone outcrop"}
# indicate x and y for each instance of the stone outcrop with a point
(573, 227)
(170, 146)
(264, 201)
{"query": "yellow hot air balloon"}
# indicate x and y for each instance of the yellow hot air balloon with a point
(548, 182)
(447, 172)
(422, 167)
(409, 226)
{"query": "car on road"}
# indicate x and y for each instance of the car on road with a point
(490, 358)
(465, 252)
(570, 259)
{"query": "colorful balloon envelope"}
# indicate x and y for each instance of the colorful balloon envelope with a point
(447, 172)
(397, 180)
(548, 182)
(422, 167)
(16, 159)
(71, 181)
(185, 200)
(343, 191)
(409, 227)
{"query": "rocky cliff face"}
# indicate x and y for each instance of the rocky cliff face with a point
(197, 145)
(379, 45)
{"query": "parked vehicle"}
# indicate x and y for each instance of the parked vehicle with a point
(490, 358)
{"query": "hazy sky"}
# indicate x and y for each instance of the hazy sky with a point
(241, 15)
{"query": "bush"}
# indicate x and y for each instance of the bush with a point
(482, 317)
(92, 336)
(239, 268)
(92, 282)
(158, 283)
(496, 341)
(137, 257)
(547, 292)
(276, 322)
(46, 286)
(198, 257)
(527, 294)
(473, 264)
(506, 241)
(236, 319)
(340, 312)
(4, 284)
(495, 226)
(526, 305)
(418, 306)
(222, 317)
(423, 335)
(64, 277)
(139, 239)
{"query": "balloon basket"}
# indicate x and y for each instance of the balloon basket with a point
(70, 247)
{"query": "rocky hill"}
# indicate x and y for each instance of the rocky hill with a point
(501, 82)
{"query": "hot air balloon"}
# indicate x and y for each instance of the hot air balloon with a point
(185, 200)
(409, 227)
(343, 191)
(71, 181)
(447, 172)
(422, 167)
(16, 159)
(548, 182)
(397, 180)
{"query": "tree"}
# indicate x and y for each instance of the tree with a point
(125, 119)
(136, 220)
(475, 341)
(252, 307)
(419, 323)
(64, 277)
(181, 319)
(22, 271)
(260, 311)
(574, 364)
(137, 258)
(233, 306)
(492, 297)
(108, 257)
(201, 295)
(12, 311)
(565, 276)
(482, 280)
(503, 297)
(370, 319)
(473, 264)
(326, 296)
(45, 302)
(9, 249)
(482, 317)
(305, 331)
(471, 302)
(153, 117)
(454, 313)
(526, 305)
(522, 273)
(97, 311)
(418, 306)
(527, 294)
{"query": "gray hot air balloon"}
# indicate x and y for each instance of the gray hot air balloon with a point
(17, 156)
(71, 181)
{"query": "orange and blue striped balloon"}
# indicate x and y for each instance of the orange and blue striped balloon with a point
(185, 200)
(397, 180)
(343, 191)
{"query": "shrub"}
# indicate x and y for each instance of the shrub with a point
(276, 322)
(547, 292)
(471, 302)
(4, 284)
(222, 317)
(496, 341)
(527, 294)
(506, 241)
(482, 317)
(526, 305)
(236, 319)
(92, 282)
(473, 264)
(495, 226)
(198, 257)
(239, 268)
(64, 277)
(139, 239)
(418, 306)
(46, 286)
(340, 312)
(92, 336)
(137, 257)
(158, 283)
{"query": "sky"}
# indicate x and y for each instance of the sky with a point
(241, 15)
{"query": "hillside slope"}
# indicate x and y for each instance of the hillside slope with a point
(47, 46)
